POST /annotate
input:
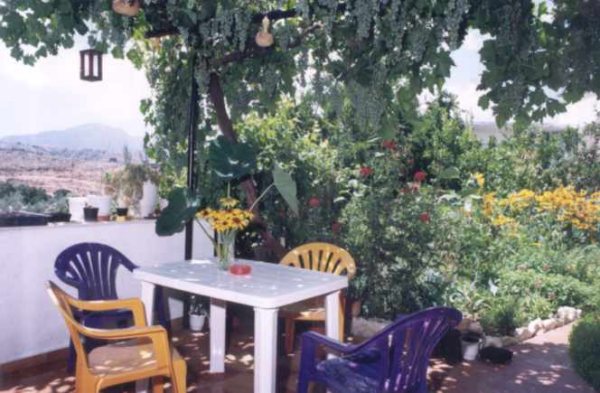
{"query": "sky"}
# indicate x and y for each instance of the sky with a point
(50, 95)
(465, 77)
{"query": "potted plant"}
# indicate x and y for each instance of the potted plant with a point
(58, 209)
(470, 343)
(90, 213)
(149, 198)
(76, 205)
(122, 213)
(134, 187)
(103, 203)
(197, 314)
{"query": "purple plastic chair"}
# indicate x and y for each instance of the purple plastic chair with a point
(393, 361)
(92, 269)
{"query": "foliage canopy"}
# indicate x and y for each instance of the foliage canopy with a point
(367, 54)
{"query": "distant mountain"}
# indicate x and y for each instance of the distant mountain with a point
(87, 136)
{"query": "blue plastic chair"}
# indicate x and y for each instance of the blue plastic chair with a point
(393, 361)
(92, 269)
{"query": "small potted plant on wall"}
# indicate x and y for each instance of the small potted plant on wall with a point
(58, 210)
(90, 213)
(102, 201)
(134, 187)
(197, 314)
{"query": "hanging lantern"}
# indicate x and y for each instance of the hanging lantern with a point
(126, 7)
(90, 61)
(263, 37)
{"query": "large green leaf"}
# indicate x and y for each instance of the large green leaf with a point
(450, 173)
(286, 187)
(181, 209)
(231, 160)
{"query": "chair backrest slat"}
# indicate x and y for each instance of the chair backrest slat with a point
(323, 257)
(92, 269)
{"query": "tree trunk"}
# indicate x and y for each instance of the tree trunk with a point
(217, 97)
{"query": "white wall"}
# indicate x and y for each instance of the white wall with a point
(29, 323)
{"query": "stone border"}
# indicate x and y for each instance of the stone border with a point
(366, 328)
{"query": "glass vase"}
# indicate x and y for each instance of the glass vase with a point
(225, 249)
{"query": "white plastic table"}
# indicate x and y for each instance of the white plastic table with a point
(266, 289)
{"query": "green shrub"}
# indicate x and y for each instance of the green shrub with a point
(503, 317)
(559, 290)
(393, 246)
(535, 306)
(15, 197)
(585, 349)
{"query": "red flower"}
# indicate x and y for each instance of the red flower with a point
(314, 202)
(336, 227)
(389, 144)
(420, 176)
(366, 171)
(424, 217)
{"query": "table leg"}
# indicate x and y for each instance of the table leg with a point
(217, 320)
(332, 316)
(265, 350)
(148, 290)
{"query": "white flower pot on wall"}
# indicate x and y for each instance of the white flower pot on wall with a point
(76, 205)
(149, 199)
(103, 203)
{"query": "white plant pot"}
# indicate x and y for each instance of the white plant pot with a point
(197, 322)
(103, 203)
(149, 199)
(76, 205)
(470, 349)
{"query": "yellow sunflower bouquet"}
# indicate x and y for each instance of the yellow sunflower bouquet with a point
(226, 222)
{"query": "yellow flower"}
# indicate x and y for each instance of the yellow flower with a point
(228, 203)
(225, 220)
(489, 202)
(204, 213)
(519, 200)
(502, 220)
(479, 179)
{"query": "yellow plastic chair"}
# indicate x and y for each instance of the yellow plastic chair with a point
(323, 257)
(135, 353)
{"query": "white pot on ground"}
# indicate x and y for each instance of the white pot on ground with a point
(470, 345)
(76, 205)
(197, 322)
(103, 203)
(149, 199)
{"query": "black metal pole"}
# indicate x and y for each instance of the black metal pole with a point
(192, 127)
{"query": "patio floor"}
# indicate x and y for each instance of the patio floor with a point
(540, 365)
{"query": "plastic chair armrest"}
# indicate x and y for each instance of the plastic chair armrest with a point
(133, 304)
(327, 342)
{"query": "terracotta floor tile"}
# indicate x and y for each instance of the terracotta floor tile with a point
(540, 365)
